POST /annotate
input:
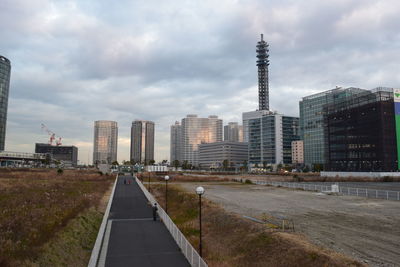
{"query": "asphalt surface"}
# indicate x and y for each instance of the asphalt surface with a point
(135, 239)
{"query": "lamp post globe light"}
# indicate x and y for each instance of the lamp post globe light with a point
(166, 178)
(200, 191)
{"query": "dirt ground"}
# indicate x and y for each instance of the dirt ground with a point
(365, 229)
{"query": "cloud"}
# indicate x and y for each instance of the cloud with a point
(74, 62)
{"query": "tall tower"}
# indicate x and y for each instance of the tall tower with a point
(142, 141)
(176, 143)
(262, 64)
(105, 142)
(5, 70)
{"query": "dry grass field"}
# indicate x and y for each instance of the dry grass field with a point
(230, 240)
(46, 216)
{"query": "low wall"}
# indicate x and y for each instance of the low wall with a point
(360, 174)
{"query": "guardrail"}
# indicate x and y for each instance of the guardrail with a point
(187, 249)
(370, 193)
(360, 192)
(94, 258)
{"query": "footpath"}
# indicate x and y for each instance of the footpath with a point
(132, 238)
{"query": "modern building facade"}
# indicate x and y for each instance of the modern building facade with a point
(262, 50)
(297, 152)
(247, 116)
(270, 139)
(105, 142)
(196, 131)
(213, 155)
(5, 73)
(360, 132)
(312, 121)
(176, 143)
(142, 141)
(67, 155)
(233, 132)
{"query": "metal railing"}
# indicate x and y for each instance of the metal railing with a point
(370, 193)
(187, 249)
(360, 192)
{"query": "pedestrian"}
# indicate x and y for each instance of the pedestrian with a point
(124, 181)
(155, 209)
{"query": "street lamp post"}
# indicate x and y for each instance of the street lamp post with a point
(166, 193)
(200, 191)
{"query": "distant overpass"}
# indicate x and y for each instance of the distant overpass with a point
(8, 158)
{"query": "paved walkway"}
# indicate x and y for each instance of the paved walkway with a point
(132, 237)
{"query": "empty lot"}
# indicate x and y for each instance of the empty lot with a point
(366, 229)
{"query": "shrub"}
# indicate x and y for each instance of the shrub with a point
(60, 171)
(247, 181)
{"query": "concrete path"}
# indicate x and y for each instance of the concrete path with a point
(132, 237)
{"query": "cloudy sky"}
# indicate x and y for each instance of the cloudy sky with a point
(74, 62)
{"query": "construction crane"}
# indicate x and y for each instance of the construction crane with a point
(53, 136)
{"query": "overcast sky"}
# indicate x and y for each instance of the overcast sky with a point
(74, 62)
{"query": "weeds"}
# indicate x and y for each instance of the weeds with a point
(34, 205)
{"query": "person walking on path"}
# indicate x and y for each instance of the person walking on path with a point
(155, 209)
(124, 181)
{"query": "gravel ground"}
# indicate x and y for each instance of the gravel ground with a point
(365, 229)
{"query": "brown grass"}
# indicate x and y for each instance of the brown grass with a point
(36, 204)
(230, 240)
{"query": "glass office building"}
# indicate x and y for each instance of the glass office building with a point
(196, 131)
(5, 71)
(312, 121)
(360, 133)
(142, 141)
(270, 139)
(105, 142)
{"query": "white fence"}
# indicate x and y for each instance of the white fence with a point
(360, 192)
(187, 249)
(94, 258)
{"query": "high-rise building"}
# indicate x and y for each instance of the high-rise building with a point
(176, 143)
(67, 155)
(247, 116)
(5, 72)
(297, 152)
(360, 132)
(196, 131)
(263, 82)
(312, 122)
(105, 142)
(142, 141)
(270, 139)
(233, 132)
